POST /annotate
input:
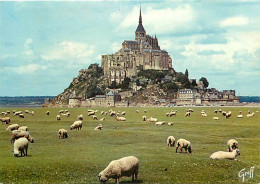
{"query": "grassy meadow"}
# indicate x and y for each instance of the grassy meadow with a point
(86, 152)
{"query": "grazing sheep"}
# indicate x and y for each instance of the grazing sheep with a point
(102, 119)
(58, 117)
(224, 113)
(170, 123)
(80, 117)
(171, 141)
(61, 111)
(220, 110)
(232, 145)
(145, 111)
(137, 111)
(24, 128)
(182, 143)
(99, 127)
(16, 134)
(126, 166)
(112, 113)
(3, 113)
(5, 120)
(190, 110)
(66, 111)
(204, 115)
(144, 118)
(228, 115)
(21, 116)
(172, 113)
(216, 111)
(17, 113)
(250, 115)
(151, 119)
(215, 118)
(63, 133)
(102, 112)
(120, 118)
(13, 127)
(76, 125)
(95, 117)
(167, 114)
(48, 113)
(123, 113)
(225, 155)
(27, 112)
(32, 113)
(187, 114)
(8, 112)
(68, 114)
(91, 113)
(240, 116)
(160, 123)
(21, 146)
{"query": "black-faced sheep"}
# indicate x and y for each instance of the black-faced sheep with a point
(228, 115)
(21, 146)
(171, 141)
(63, 133)
(21, 116)
(5, 120)
(144, 118)
(182, 143)
(80, 117)
(48, 113)
(187, 114)
(99, 127)
(58, 117)
(127, 166)
(76, 125)
(225, 155)
(232, 145)
(13, 127)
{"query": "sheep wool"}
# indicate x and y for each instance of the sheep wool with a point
(63, 133)
(171, 141)
(5, 120)
(225, 155)
(24, 128)
(232, 145)
(126, 166)
(21, 146)
(76, 125)
(182, 143)
(13, 127)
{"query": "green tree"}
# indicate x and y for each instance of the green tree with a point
(125, 83)
(187, 73)
(193, 83)
(205, 82)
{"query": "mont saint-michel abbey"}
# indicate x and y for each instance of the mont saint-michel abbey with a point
(143, 52)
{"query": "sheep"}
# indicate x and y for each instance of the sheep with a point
(3, 113)
(102, 119)
(13, 111)
(91, 113)
(16, 134)
(172, 113)
(27, 112)
(215, 118)
(182, 143)
(151, 119)
(170, 123)
(144, 118)
(123, 113)
(145, 111)
(63, 133)
(204, 115)
(99, 127)
(250, 115)
(76, 125)
(102, 112)
(171, 141)
(240, 116)
(126, 166)
(228, 115)
(187, 114)
(112, 113)
(225, 155)
(232, 145)
(17, 113)
(66, 111)
(95, 117)
(80, 117)
(13, 127)
(167, 114)
(220, 110)
(5, 120)
(48, 113)
(137, 111)
(21, 116)
(61, 111)
(24, 128)
(216, 111)
(159, 123)
(224, 113)
(96, 111)
(21, 146)
(32, 113)
(117, 114)
(8, 112)
(190, 110)
(63, 114)
(58, 117)
(68, 114)
(120, 118)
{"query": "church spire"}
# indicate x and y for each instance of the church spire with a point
(140, 16)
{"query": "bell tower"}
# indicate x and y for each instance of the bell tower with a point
(140, 33)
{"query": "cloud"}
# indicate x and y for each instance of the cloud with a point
(235, 21)
(31, 68)
(211, 52)
(28, 43)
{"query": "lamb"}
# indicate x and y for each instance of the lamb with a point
(21, 146)
(187, 114)
(250, 115)
(58, 117)
(76, 125)
(80, 117)
(171, 141)
(215, 118)
(48, 113)
(24, 128)
(151, 119)
(5, 120)
(240, 116)
(102, 119)
(126, 166)
(232, 145)
(13, 127)
(120, 118)
(99, 127)
(182, 143)
(159, 123)
(170, 123)
(225, 155)
(95, 117)
(63, 133)
(144, 118)
(16, 134)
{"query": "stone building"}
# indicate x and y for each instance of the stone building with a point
(142, 53)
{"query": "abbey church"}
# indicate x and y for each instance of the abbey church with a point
(142, 53)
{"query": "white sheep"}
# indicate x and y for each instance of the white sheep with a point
(145, 111)
(17, 113)
(102, 113)
(144, 118)
(182, 143)
(126, 166)
(151, 119)
(21, 116)
(240, 116)
(204, 114)
(123, 113)
(91, 113)
(24, 128)
(159, 123)
(187, 114)
(170, 123)
(95, 117)
(27, 112)
(137, 111)
(215, 118)
(76, 125)
(225, 155)
(80, 117)
(5, 120)
(48, 113)
(171, 141)
(63, 133)
(120, 118)
(13, 127)
(58, 117)
(16, 134)
(32, 113)
(99, 127)
(21, 146)
(228, 115)
(250, 115)
(172, 113)
(102, 119)
(112, 113)
(232, 145)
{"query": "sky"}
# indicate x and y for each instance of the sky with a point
(43, 45)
